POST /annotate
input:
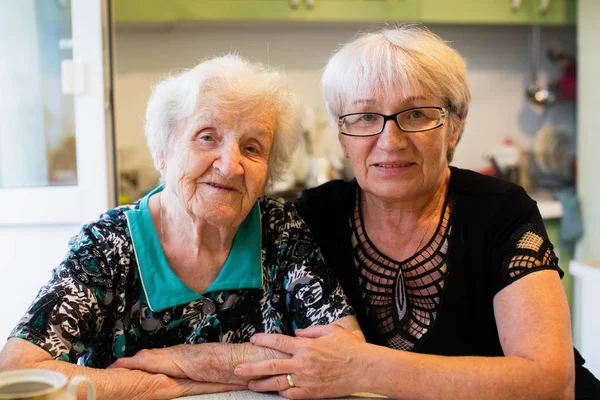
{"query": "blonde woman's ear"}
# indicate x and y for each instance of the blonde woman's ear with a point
(454, 136)
(343, 143)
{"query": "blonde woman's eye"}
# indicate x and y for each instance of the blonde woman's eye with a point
(206, 138)
(368, 117)
(416, 114)
(252, 149)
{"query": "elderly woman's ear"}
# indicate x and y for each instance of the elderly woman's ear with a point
(159, 161)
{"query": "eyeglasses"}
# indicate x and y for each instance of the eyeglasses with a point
(417, 119)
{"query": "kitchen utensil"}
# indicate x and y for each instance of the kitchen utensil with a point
(534, 92)
(554, 153)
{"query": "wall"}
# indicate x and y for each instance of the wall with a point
(589, 126)
(498, 60)
(37, 249)
(585, 313)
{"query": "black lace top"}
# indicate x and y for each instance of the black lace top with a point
(440, 300)
(403, 294)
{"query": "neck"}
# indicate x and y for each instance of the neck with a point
(407, 212)
(187, 232)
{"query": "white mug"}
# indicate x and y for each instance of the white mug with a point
(26, 384)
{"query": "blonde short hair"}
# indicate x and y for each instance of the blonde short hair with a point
(240, 82)
(408, 59)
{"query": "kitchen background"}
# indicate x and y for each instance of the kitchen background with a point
(57, 120)
(499, 64)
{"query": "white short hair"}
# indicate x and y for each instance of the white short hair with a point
(408, 59)
(179, 96)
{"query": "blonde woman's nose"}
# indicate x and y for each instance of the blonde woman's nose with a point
(392, 137)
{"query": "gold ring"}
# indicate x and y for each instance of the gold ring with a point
(290, 380)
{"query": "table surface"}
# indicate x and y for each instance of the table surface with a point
(249, 395)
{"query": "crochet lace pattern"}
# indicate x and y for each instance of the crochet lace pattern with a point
(402, 298)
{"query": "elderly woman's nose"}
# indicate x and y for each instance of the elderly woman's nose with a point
(392, 137)
(229, 162)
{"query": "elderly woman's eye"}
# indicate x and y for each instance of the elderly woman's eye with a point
(252, 149)
(206, 138)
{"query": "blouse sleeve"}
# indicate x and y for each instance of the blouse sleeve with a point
(68, 314)
(521, 244)
(313, 295)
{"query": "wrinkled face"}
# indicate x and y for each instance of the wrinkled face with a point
(397, 165)
(216, 163)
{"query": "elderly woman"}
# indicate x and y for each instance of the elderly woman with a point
(451, 273)
(202, 258)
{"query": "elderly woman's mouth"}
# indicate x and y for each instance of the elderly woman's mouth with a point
(220, 186)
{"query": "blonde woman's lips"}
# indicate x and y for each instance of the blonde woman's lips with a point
(394, 164)
(393, 168)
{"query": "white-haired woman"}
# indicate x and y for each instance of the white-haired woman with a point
(202, 258)
(451, 273)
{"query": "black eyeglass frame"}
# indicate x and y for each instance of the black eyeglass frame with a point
(443, 117)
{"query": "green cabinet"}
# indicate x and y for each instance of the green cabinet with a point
(167, 11)
(474, 12)
(558, 12)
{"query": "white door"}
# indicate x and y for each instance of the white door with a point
(56, 149)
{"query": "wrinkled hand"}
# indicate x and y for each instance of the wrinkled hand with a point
(207, 362)
(160, 387)
(327, 361)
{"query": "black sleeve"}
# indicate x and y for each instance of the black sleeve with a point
(520, 244)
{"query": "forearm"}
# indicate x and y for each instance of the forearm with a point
(399, 374)
(116, 383)
(112, 383)
(224, 357)
(206, 362)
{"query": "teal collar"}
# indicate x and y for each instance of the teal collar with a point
(163, 289)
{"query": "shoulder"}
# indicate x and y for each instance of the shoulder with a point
(493, 205)
(487, 191)
(471, 182)
(328, 192)
(280, 218)
(326, 203)
(111, 225)
(101, 243)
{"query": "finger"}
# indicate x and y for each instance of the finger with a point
(186, 387)
(283, 343)
(190, 387)
(276, 383)
(296, 393)
(316, 331)
(266, 368)
(155, 361)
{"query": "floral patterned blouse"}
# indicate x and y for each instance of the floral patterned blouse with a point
(114, 294)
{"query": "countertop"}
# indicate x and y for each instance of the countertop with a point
(589, 269)
(549, 207)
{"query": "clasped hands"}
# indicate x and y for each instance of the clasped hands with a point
(321, 361)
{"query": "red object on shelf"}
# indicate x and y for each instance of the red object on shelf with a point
(567, 84)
